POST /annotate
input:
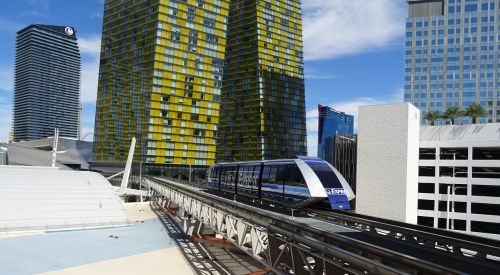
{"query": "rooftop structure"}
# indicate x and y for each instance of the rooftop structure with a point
(77, 154)
(45, 198)
(46, 82)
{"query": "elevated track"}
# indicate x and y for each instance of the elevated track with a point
(321, 242)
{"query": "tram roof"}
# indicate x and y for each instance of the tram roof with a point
(269, 161)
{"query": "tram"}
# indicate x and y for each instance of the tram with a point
(298, 182)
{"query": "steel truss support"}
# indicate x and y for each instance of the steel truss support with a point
(283, 250)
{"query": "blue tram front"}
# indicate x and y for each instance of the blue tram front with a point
(295, 182)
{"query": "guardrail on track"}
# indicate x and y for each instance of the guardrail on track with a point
(460, 245)
(282, 244)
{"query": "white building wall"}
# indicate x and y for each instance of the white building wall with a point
(387, 163)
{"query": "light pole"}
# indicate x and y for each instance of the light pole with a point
(190, 173)
(140, 178)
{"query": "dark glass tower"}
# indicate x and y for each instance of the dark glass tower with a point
(263, 102)
(46, 82)
(331, 123)
(451, 55)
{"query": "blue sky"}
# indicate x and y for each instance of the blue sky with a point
(353, 52)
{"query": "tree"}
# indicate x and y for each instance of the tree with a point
(432, 116)
(474, 111)
(452, 113)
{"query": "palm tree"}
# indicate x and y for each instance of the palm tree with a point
(474, 111)
(432, 116)
(452, 113)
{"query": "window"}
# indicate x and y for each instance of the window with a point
(486, 153)
(426, 204)
(457, 189)
(454, 153)
(453, 224)
(426, 187)
(485, 227)
(453, 171)
(456, 206)
(486, 190)
(485, 208)
(486, 172)
(426, 221)
(427, 153)
(426, 171)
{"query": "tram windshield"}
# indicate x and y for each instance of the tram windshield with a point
(325, 174)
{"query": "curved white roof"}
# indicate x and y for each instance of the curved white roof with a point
(44, 198)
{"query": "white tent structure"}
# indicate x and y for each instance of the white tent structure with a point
(45, 198)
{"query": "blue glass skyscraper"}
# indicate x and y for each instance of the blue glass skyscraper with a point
(452, 55)
(330, 123)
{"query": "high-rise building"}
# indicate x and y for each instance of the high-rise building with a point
(160, 80)
(46, 82)
(451, 55)
(346, 158)
(330, 123)
(263, 104)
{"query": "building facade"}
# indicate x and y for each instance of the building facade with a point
(331, 123)
(345, 158)
(263, 100)
(459, 178)
(451, 55)
(160, 80)
(387, 161)
(46, 82)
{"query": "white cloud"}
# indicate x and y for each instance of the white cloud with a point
(348, 107)
(340, 27)
(90, 48)
(90, 45)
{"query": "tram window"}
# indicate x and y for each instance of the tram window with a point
(326, 175)
(294, 176)
(280, 175)
(272, 174)
(265, 174)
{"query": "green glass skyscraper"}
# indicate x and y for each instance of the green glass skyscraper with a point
(263, 102)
